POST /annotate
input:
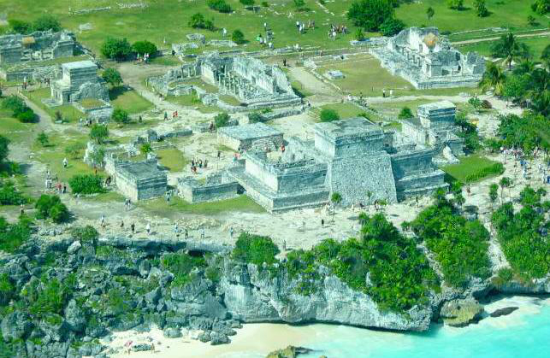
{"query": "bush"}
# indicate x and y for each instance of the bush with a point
(455, 4)
(51, 207)
(14, 104)
(265, 4)
(219, 5)
(405, 113)
(329, 115)
(359, 35)
(247, 2)
(86, 184)
(20, 27)
(391, 27)
(370, 14)
(43, 139)
(45, 23)
(336, 198)
(181, 265)
(238, 37)
(99, 133)
(12, 236)
(198, 21)
(116, 49)
(255, 117)
(9, 195)
(87, 234)
(112, 77)
(255, 249)
(541, 7)
(120, 116)
(481, 8)
(27, 116)
(221, 120)
(143, 47)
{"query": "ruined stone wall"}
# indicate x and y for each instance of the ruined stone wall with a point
(412, 162)
(357, 176)
(207, 192)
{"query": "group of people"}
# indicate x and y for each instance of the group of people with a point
(144, 58)
(199, 164)
(302, 26)
(335, 30)
(174, 115)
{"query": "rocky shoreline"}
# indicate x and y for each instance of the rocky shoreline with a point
(119, 284)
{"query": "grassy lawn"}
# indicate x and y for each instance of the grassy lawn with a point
(536, 44)
(129, 100)
(364, 75)
(166, 61)
(192, 101)
(172, 158)
(11, 128)
(54, 154)
(91, 103)
(472, 169)
(393, 108)
(504, 13)
(230, 100)
(68, 112)
(239, 204)
(345, 110)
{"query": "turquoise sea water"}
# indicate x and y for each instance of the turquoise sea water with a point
(519, 335)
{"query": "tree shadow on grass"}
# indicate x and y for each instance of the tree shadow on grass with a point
(118, 91)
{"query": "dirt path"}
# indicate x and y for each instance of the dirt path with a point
(493, 38)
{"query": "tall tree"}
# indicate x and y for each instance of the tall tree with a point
(493, 78)
(509, 49)
(370, 14)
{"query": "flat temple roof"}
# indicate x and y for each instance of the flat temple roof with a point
(79, 64)
(250, 131)
(348, 127)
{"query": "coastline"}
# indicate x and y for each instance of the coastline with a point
(257, 340)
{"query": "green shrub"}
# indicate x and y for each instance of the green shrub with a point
(222, 120)
(9, 195)
(27, 116)
(219, 5)
(45, 23)
(12, 236)
(255, 249)
(116, 49)
(198, 21)
(86, 184)
(405, 113)
(370, 14)
(336, 198)
(255, 117)
(329, 115)
(181, 265)
(120, 116)
(51, 207)
(112, 76)
(87, 234)
(7, 289)
(238, 37)
(247, 2)
(143, 47)
(391, 27)
(99, 133)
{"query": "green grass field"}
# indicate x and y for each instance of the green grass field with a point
(536, 44)
(472, 169)
(176, 205)
(11, 128)
(129, 100)
(192, 101)
(68, 112)
(344, 110)
(172, 158)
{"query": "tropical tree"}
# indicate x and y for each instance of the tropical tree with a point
(112, 77)
(481, 8)
(494, 79)
(505, 182)
(493, 193)
(99, 133)
(509, 49)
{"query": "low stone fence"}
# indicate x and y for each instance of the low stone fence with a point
(217, 187)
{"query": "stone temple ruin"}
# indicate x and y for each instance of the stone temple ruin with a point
(80, 82)
(37, 46)
(427, 60)
(354, 158)
(256, 135)
(254, 84)
(435, 128)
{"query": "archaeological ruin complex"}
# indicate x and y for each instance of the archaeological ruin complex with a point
(253, 83)
(427, 60)
(37, 46)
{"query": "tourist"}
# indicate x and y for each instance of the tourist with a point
(133, 228)
(186, 234)
(219, 154)
(205, 165)
(265, 26)
(65, 162)
(200, 163)
(224, 32)
(322, 222)
(176, 229)
(122, 224)
(64, 188)
(231, 232)
(391, 93)
(283, 148)
(284, 62)
(148, 228)
(202, 233)
(102, 221)
(165, 115)
(383, 93)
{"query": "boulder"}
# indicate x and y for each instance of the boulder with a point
(73, 249)
(75, 317)
(16, 325)
(289, 352)
(503, 311)
(217, 338)
(460, 313)
(172, 332)
(143, 347)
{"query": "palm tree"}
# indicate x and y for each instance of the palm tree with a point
(493, 78)
(509, 49)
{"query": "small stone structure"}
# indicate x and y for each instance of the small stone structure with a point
(427, 60)
(254, 84)
(79, 81)
(140, 180)
(435, 128)
(216, 187)
(37, 46)
(256, 135)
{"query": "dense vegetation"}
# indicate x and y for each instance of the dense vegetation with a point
(181, 265)
(43, 23)
(527, 132)
(12, 236)
(255, 249)
(382, 263)
(19, 109)
(523, 235)
(329, 115)
(460, 246)
(51, 207)
(86, 184)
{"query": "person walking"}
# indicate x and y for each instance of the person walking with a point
(133, 228)
(231, 232)
(65, 163)
(148, 229)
